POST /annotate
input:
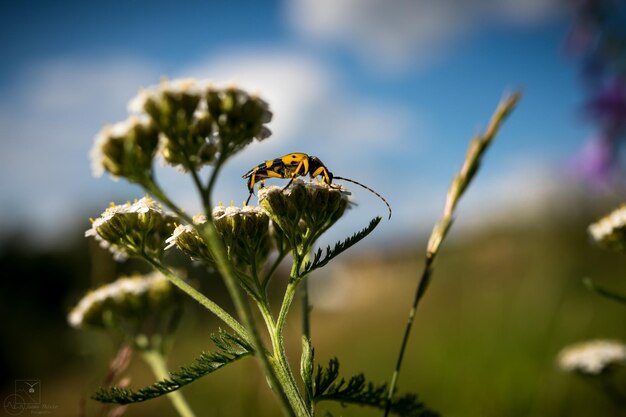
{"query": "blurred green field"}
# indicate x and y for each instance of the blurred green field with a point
(504, 300)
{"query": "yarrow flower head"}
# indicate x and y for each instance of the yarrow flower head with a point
(126, 149)
(133, 229)
(304, 210)
(130, 301)
(186, 238)
(244, 232)
(199, 123)
(239, 117)
(167, 98)
(610, 231)
(592, 357)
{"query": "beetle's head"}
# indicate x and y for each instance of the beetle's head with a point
(315, 164)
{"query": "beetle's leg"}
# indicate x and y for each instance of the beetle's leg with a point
(303, 165)
(289, 183)
(251, 182)
(327, 179)
(322, 172)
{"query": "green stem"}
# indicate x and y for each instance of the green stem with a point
(306, 324)
(196, 178)
(156, 361)
(279, 385)
(306, 307)
(280, 362)
(209, 234)
(274, 370)
(201, 298)
(306, 316)
(204, 195)
(306, 333)
(277, 335)
(289, 294)
(266, 280)
(267, 316)
(286, 376)
(211, 182)
(290, 403)
(278, 343)
(421, 289)
(153, 188)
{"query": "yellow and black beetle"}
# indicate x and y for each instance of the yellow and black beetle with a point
(295, 165)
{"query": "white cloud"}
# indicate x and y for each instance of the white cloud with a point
(47, 134)
(395, 34)
(308, 98)
(292, 84)
(52, 114)
(49, 118)
(315, 112)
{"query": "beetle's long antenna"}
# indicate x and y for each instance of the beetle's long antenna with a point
(367, 188)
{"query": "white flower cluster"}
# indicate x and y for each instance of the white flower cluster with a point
(102, 138)
(173, 87)
(188, 122)
(263, 192)
(178, 232)
(182, 229)
(115, 291)
(141, 206)
(592, 357)
(604, 228)
(220, 211)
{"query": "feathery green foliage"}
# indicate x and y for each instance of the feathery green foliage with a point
(230, 349)
(357, 390)
(340, 247)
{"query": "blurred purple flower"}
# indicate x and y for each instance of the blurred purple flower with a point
(597, 37)
(608, 108)
(596, 162)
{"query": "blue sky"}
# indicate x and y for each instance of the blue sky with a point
(384, 92)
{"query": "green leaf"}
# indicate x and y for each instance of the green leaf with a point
(604, 292)
(340, 247)
(230, 349)
(357, 390)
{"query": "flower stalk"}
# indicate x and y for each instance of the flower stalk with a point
(287, 396)
(461, 181)
(157, 364)
(201, 298)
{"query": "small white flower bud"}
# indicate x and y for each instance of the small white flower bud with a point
(592, 357)
(610, 231)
